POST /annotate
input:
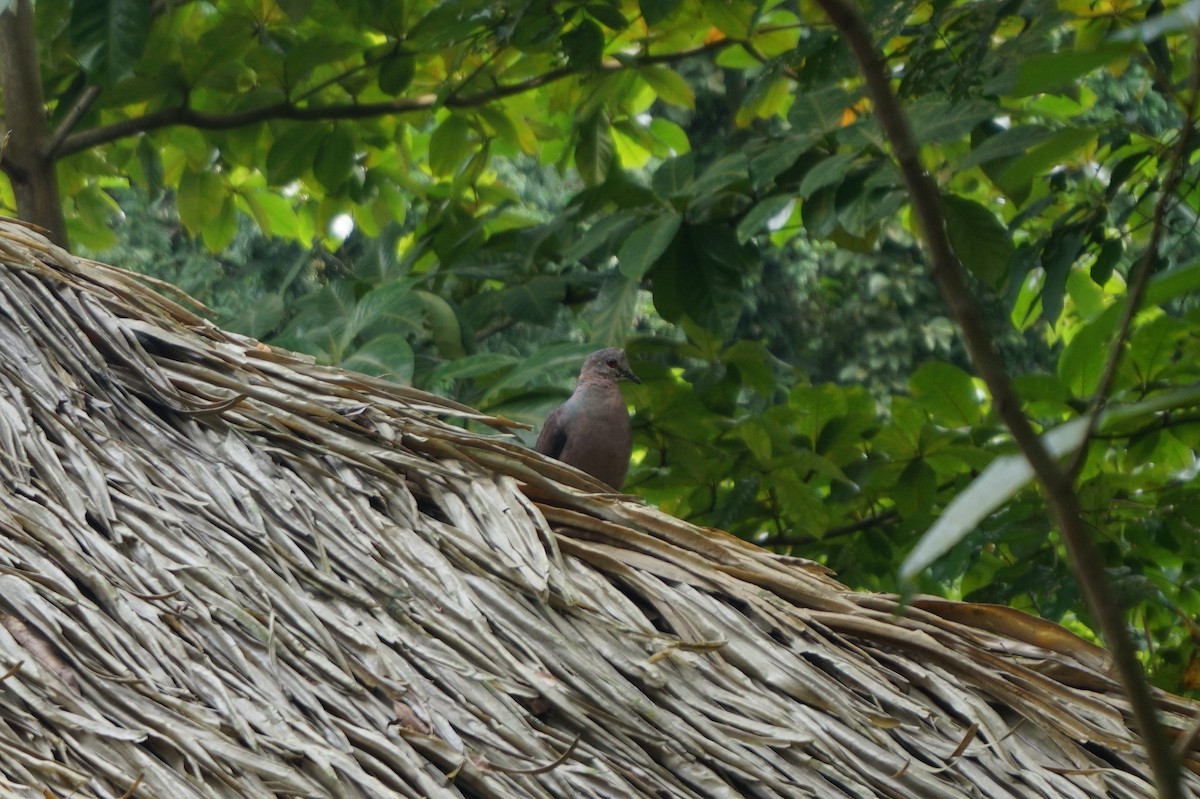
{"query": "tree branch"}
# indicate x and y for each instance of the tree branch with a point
(70, 119)
(184, 115)
(1056, 482)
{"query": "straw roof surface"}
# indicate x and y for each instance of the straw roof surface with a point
(226, 571)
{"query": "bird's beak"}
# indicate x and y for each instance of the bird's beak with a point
(630, 376)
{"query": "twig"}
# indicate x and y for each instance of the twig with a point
(1144, 268)
(70, 119)
(190, 117)
(1056, 482)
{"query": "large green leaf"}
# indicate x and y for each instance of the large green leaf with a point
(1043, 73)
(109, 36)
(655, 11)
(584, 45)
(646, 244)
(200, 198)
(947, 393)
(335, 159)
(293, 153)
(937, 119)
(699, 277)
(388, 354)
(979, 239)
(612, 321)
(450, 145)
(594, 151)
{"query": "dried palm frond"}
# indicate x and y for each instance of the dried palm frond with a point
(228, 571)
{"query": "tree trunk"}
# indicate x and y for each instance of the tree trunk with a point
(26, 157)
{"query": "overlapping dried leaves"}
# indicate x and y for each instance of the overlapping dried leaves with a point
(226, 571)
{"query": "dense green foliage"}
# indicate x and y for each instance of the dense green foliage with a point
(702, 181)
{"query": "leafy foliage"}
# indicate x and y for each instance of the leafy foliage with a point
(530, 179)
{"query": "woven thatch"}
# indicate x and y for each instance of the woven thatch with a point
(225, 571)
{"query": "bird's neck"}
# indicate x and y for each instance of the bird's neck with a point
(596, 387)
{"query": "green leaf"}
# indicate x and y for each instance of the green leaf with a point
(754, 363)
(594, 151)
(761, 214)
(396, 73)
(1155, 348)
(450, 145)
(335, 159)
(537, 27)
(612, 320)
(468, 367)
(937, 120)
(1004, 143)
(608, 13)
(916, 488)
(655, 11)
(670, 86)
(826, 173)
(388, 355)
(979, 239)
(447, 23)
(444, 326)
(273, 213)
(1083, 359)
(1106, 261)
(1043, 73)
(199, 199)
(262, 317)
(947, 393)
(757, 440)
(293, 153)
(552, 361)
(700, 277)
(599, 235)
(820, 111)
(670, 135)
(1007, 475)
(219, 233)
(999, 481)
(732, 17)
(776, 157)
(537, 300)
(1057, 260)
(1048, 154)
(1173, 284)
(90, 224)
(584, 45)
(673, 178)
(731, 173)
(297, 10)
(646, 245)
(109, 36)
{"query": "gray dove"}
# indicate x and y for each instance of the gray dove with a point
(590, 431)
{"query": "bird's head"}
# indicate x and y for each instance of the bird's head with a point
(608, 364)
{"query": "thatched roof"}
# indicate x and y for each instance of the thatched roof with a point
(226, 571)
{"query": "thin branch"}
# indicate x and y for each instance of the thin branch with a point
(1064, 505)
(1144, 268)
(186, 116)
(82, 103)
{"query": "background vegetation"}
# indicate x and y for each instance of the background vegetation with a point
(469, 196)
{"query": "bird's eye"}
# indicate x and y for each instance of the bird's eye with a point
(612, 363)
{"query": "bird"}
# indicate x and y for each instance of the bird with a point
(591, 430)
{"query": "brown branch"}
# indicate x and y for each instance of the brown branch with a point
(186, 116)
(1060, 493)
(70, 119)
